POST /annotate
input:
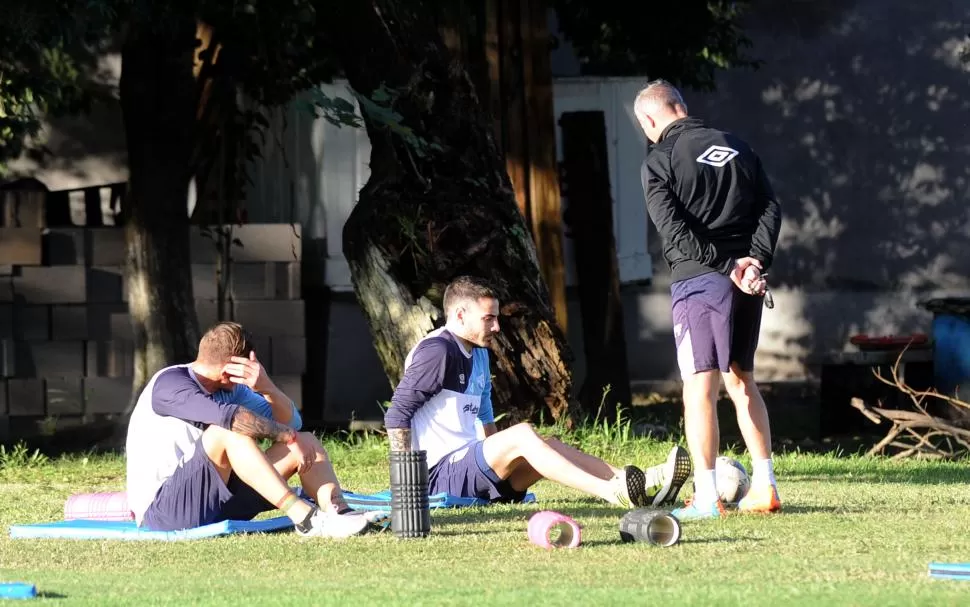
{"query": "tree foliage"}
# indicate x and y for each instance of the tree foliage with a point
(273, 51)
(685, 42)
(48, 52)
(268, 53)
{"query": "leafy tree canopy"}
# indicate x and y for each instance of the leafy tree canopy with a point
(271, 51)
(685, 42)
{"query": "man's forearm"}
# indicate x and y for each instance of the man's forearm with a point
(256, 426)
(400, 439)
(765, 237)
(279, 403)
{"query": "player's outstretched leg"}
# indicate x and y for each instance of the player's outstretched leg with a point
(521, 453)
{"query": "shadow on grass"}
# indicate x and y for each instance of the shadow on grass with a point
(789, 508)
(463, 532)
(683, 541)
(912, 474)
(485, 514)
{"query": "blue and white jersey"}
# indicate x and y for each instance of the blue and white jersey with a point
(167, 423)
(444, 397)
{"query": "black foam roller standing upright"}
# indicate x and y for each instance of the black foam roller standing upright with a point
(410, 511)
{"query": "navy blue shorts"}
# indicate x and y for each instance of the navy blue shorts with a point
(196, 495)
(465, 473)
(715, 324)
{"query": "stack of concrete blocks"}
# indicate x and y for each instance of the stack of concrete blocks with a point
(65, 329)
(266, 296)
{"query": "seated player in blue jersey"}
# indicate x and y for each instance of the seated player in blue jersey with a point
(443, 406)
(193, 448)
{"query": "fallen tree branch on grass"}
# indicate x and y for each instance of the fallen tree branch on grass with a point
(916, 433)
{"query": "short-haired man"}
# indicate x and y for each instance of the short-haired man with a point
(711, 201)
(443, 406)
(193, 453)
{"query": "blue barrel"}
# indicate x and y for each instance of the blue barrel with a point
(951, 344)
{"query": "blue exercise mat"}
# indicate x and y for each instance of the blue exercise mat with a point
(17, 590)
(381, 501)
(950, 571)
(86, 529)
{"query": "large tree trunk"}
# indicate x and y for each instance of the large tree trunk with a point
(427, 215)
(158, 105)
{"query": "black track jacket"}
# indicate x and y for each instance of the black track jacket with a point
(710, 200)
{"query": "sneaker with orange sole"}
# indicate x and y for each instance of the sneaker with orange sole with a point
(763, 500)
(692, 512)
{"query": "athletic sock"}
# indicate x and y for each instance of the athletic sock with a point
(705, 487)
(289, 500)
(763, 472)
(305, 525)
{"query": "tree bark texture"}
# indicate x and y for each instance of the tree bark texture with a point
(158, 103)
(426, 216)
(590, 219)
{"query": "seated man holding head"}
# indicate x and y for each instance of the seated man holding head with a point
(193, 447)
(443, 406)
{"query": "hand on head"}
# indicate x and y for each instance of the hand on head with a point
(247, 371)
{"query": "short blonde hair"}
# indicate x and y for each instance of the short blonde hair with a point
(658, 95)
(223, 341)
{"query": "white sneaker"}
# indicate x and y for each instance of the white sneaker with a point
(332, 525)
(379, 520)
(662, 483)
(628, 488)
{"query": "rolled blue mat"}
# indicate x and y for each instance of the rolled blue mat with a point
(17, 590)
(950, 571)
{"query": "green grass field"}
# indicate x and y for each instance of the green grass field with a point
(855, 531)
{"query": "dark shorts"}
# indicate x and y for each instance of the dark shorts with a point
(715, 324)
(196, 495)
(465, 473)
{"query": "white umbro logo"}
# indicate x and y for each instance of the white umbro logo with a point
(717, 155)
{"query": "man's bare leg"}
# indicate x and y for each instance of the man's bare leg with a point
(320, 481)
(233, 452)
(524, 476)
(755, 428)
(751, 410)
(701, 427)
(587, 462)
(506, 451)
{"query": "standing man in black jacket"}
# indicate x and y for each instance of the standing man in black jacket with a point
(716, 213)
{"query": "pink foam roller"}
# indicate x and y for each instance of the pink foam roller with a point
(104, 506)
(543, 524)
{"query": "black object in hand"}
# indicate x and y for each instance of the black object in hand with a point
(769, 300)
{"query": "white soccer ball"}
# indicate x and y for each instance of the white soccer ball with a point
(732, 480)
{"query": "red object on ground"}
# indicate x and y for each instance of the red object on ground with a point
(889, 342)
